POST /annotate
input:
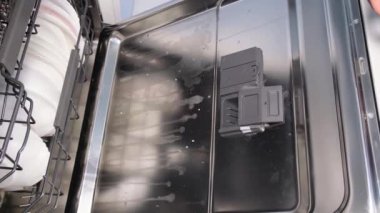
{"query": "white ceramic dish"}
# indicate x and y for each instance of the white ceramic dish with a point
(44, 114)
(40, 65)
(48, 55)
(65, 5)
(34, 79)
(56, 15)
(51, 36)
(34, 153)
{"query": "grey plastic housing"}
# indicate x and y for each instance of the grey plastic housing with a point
(247, 106)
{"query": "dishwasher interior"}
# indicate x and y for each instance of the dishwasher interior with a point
(214, 106)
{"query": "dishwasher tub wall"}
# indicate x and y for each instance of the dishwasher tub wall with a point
(316, 161)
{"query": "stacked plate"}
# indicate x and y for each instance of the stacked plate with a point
(33, 160)
(46, 60)
(43, 74)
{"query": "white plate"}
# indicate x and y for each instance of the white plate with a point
(34, 79)
(44, 114)
(52, 37)
(65, 5)
(68, 22)
(43, 65)
(33, 159)
(56, 15)
(48, 55)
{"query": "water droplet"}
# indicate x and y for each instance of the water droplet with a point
(193, 140)
(176, 79)
(157, 206)
(209, 96)
(186, 147)
(199, 109)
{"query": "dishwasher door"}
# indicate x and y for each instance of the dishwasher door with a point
(151, 140)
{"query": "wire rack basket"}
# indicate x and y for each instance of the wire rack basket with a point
(13, 96)
(43, 196)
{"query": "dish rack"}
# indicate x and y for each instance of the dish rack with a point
(14, 16)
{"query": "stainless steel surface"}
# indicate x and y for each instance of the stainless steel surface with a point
(101, 116)
(367, 101)
(142, 25)
(155, 154)
(323, 159)
(259, 173)
(328, 181)
(359, 193)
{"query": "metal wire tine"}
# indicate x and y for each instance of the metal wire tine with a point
(48, 205)
(232, 109)
(29, 33)
(38, 194)
(10, 126)
(29, 111)
(55, 170)
(4, 138)
(18, 155)
(7, 93)
(56, 188)
(4, 103)
(62, 159)
(76, 114)
(28, 196)
(15, 167)
(62, 147)
(82, 73)
(32, 203)
(18, 66)
(56, 196)
(24, 191)
(232, 115)
(24, 205)
(25, 109)
(35, 29)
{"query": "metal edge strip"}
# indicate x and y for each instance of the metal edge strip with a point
(97, 132)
